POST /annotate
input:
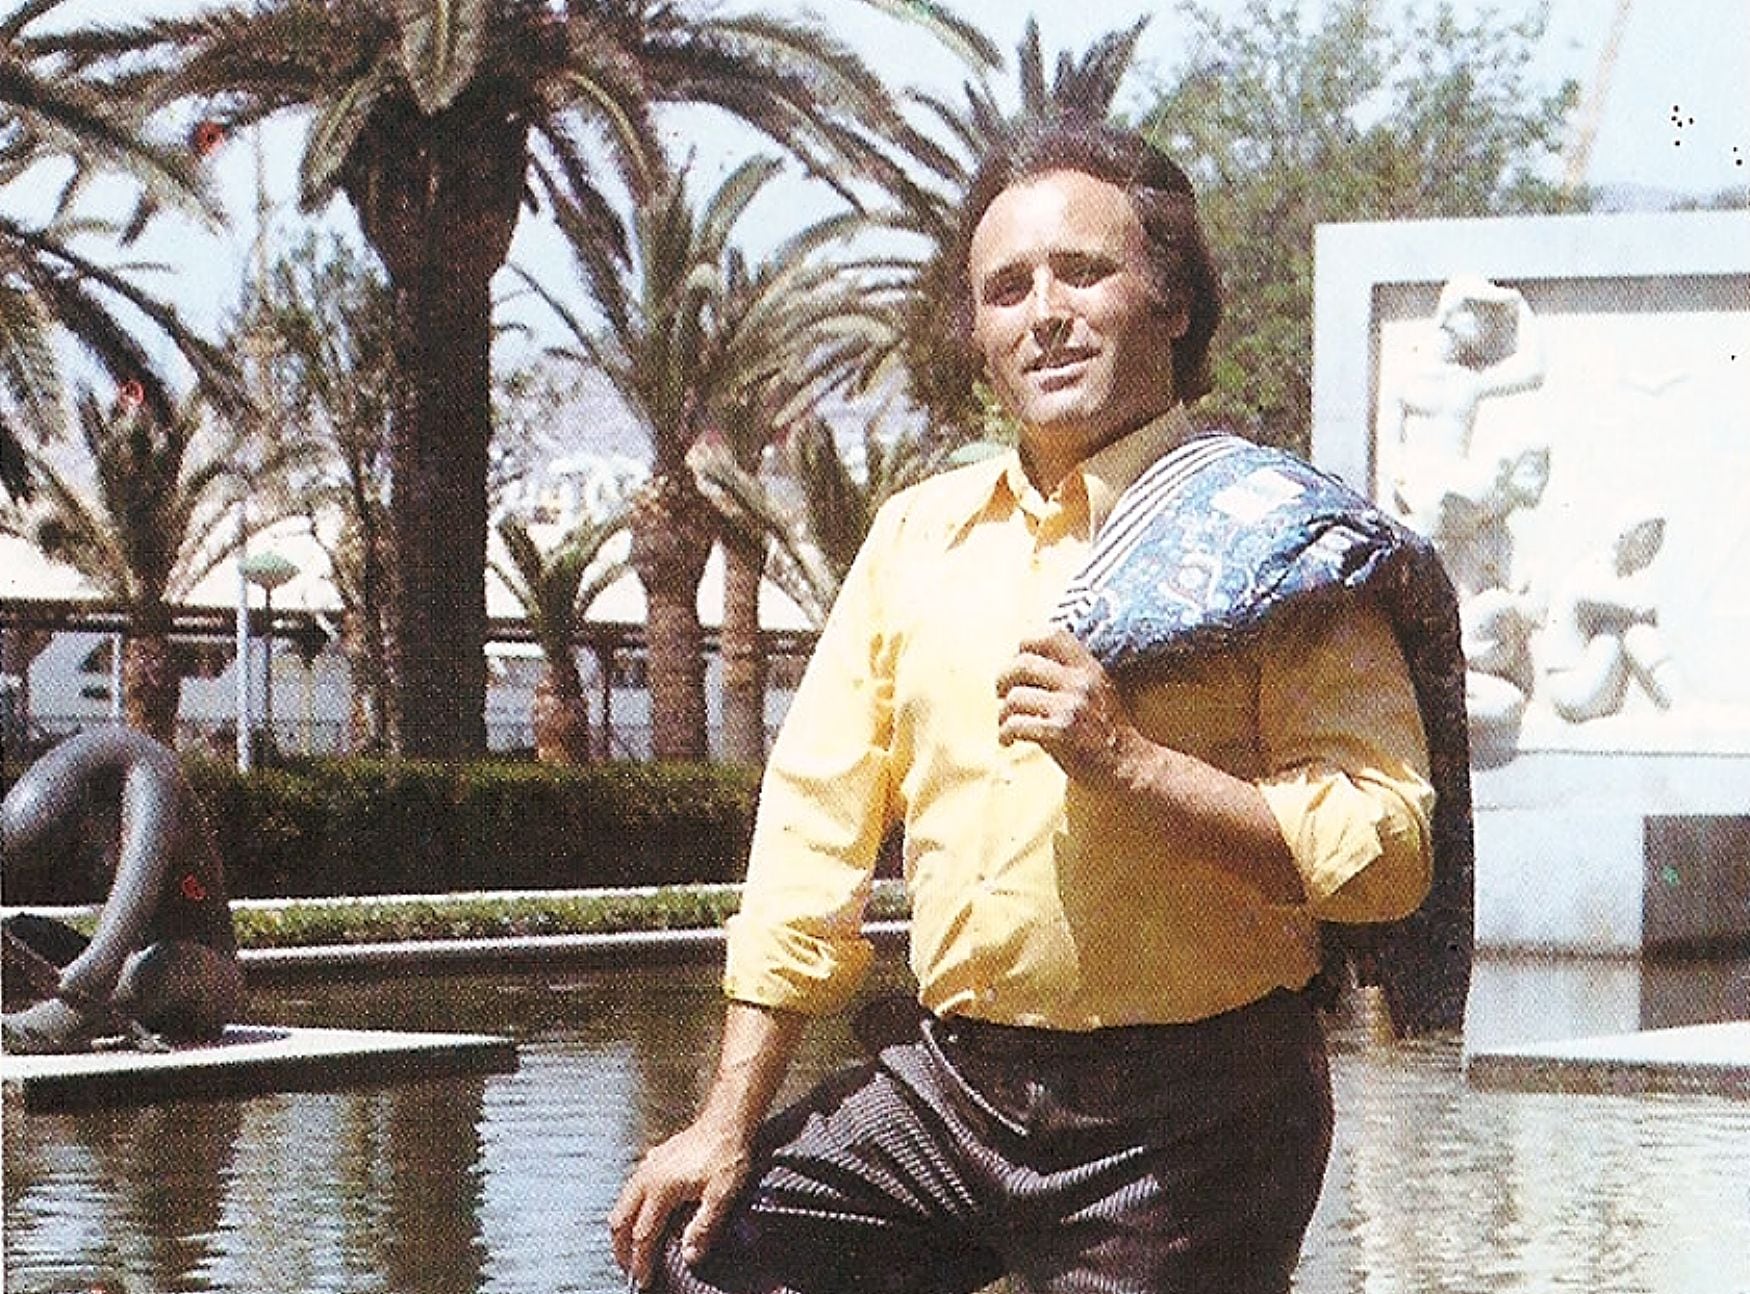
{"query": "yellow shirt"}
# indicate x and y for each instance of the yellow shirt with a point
(1035, 900)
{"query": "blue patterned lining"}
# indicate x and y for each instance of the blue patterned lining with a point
(1207, 545)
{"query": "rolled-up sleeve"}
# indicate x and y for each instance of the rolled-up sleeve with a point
(1349, 782)
(825, 804)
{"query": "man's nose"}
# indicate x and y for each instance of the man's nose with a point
(1051, 319)
(1051, 331)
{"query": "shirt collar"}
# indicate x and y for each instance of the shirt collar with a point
(1110, 470)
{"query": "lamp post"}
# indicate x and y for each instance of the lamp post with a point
(268, 570)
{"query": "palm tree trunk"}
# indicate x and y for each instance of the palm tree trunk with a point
(151, 687)
(561, 718)
(437, 521)
(672, 534)
(362, 643)
(437, 197)
(744, 661)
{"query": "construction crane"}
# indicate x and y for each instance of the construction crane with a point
(1579, 153)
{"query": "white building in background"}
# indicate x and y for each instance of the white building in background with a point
(72, 683)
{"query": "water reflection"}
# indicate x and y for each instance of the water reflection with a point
(136, 1191)
(501, 1184)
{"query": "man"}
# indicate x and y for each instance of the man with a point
(112, 803)
(1119, 1083)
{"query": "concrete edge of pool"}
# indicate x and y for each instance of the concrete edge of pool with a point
(640, 947)
(1704, 1059)
(254, 1059)
(251, 1060)
(1698, 1059)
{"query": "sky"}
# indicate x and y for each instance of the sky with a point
(1677, 117)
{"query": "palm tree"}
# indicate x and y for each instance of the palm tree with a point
(655, 349)
(555, 588)
(322, 321)
(152, 527)
(784, 336)
(54, 113)
(815, 515)
(431, 116)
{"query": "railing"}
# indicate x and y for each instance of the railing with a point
(312, 697)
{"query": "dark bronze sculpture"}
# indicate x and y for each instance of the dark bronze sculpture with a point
(161, 967)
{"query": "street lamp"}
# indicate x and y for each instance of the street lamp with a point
(268, 570)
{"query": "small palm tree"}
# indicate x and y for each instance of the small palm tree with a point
(555, 588)
(153, 524)
(786, 336)
(815, 516)
(52, 110)
(322, 321)
(655, 348)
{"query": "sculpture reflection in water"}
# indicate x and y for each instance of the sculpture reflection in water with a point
(112, 806)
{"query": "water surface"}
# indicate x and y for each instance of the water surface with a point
(501, 1184)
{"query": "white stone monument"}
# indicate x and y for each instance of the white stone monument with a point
(1562, 404)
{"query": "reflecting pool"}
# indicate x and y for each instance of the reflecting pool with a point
(501, 1184)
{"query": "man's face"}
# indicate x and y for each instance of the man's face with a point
(1076, 341)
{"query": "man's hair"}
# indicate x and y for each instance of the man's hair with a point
(1183, 269)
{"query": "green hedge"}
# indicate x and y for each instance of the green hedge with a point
(371, 827)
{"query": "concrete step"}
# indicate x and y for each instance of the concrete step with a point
(1711, 1059)
(247, 1061)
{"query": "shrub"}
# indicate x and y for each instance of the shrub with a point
(373, 827)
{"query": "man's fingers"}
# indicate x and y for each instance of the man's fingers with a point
(1056, 662)
(1059, 645)
(701, 1230)
(647, 1233)
(637, 1224)
(1030, 670)
(620, 1224)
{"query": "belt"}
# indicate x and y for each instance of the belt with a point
(1027, 1043)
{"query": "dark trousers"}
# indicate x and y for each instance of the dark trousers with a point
(1174, 1158)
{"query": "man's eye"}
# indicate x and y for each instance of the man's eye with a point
(1005, 291)
(1081, 274)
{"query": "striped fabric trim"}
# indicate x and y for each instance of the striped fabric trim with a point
(1162, 482)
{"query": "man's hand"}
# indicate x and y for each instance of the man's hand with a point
(706, 1162)
(1056, 694)
(699, 1164)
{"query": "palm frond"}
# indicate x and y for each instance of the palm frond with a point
(29, 375)
(333, 134)
(68, 117)
(440, 46)
(729, 201)
(69, 298)
(965, 41)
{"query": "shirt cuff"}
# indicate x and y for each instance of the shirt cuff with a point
(789, 969)
(1363, 853)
